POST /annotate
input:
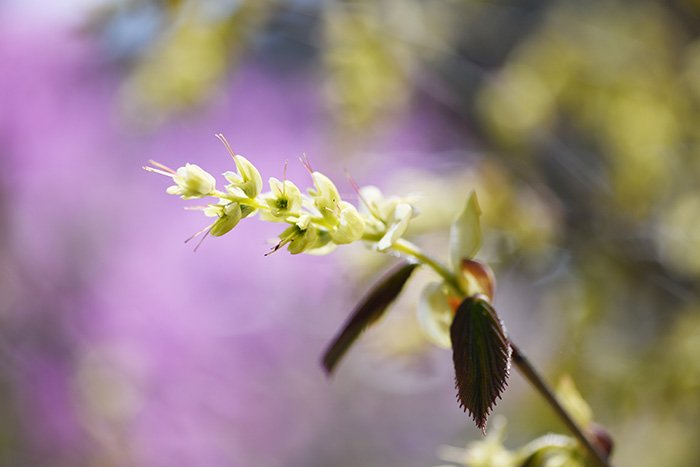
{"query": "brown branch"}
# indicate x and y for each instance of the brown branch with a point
(534, 378)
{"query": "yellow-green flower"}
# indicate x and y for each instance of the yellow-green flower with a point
(325, 197)
(350, 226)
(388, 217)
(246, 180)
(398, 224)
(284, 200)
(229, 214)
(301, 237)
(191, 181)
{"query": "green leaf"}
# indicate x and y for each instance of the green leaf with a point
(481, 355)
(369, 310)
(465, 233)
(435, 314)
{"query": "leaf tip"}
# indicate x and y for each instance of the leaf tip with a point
(368, 311)
(474, 201)
(329, 361)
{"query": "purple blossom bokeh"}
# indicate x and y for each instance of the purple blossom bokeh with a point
(119, 346)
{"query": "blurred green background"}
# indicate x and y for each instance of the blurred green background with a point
(574, 121)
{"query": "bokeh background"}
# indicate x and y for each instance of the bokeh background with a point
(576, 122)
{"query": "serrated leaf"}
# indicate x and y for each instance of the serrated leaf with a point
(368, 311)
(481, 355)
(465, 233)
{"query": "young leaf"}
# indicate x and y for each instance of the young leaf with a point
(478, 278)
(601, 439)
(573, 402)
(369, 310)
(435, 314)
(465, 233)
(481, 355)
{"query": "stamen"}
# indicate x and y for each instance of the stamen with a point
(284, 178)
(205, 229)
(353, 183)
(222, 138)
(161, 166)
(158, 171)
(277, 247)
(206, 234)
(356, 187)
(305, 162)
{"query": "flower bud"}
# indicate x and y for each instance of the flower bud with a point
(602, 439)
(477, 278)
(191, 181)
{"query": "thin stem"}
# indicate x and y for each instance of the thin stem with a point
(534, 378)
(410, 249)
(521, 361)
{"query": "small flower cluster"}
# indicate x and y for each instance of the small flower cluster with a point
(317, 220)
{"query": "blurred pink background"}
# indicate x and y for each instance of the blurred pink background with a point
(575, 123)
(118, 344)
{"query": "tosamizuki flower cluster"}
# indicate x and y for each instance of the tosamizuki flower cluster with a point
(454, 312)
(317, 220)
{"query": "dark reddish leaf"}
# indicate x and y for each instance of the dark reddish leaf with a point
(369, 310)
(481, 355)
